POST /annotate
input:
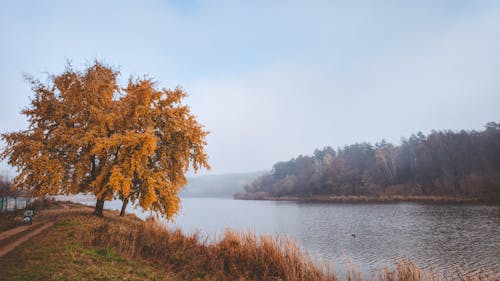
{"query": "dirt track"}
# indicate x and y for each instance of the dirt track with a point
(14, 237)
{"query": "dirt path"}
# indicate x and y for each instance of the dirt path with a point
(20, 240)
(12, 238)
(11, 232)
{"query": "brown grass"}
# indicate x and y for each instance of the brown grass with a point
(407, 270)
(235, 257)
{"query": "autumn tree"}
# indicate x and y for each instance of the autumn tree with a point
(87, 134)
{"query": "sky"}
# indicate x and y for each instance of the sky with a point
(273, 79)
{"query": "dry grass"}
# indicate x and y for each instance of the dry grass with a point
(407, 270)
(235, 257)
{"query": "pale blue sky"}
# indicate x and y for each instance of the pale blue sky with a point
(274, 79)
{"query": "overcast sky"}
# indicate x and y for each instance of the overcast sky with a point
(274, 79)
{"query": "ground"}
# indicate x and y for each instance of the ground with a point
(55, 254)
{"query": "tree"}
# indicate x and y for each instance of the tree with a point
(386, 157)
(87, 134)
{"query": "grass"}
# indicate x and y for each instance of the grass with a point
(84, 247)
(57, 254)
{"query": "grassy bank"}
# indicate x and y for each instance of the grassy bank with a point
(362, 198)
(83, 247)
(57, 254)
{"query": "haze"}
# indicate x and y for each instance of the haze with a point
(274, 80)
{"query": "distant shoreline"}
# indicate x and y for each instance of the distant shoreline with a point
(365, 199)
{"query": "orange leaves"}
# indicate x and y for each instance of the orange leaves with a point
(120, 181)
(87, 134)
(174, 96)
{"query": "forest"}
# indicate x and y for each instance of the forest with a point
(442, 163)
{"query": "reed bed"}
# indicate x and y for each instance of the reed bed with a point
(237, 256)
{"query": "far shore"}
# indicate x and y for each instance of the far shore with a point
(365, 199)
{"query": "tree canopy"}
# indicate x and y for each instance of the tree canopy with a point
(87, 134)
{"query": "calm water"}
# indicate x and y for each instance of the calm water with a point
(440, 236)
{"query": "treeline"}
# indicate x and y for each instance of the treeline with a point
(449, 163)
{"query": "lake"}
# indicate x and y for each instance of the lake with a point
(441, 236)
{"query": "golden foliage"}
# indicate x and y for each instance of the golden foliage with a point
(87, 134)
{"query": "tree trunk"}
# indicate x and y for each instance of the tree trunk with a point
(99, 206)
(124, 207)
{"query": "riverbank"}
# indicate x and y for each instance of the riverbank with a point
(57, 253)
(80, 246)
(364, 199)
